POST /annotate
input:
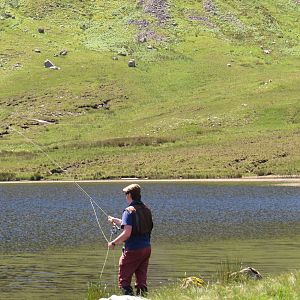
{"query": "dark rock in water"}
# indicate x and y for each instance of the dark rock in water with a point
(48, 64)
(247, 272)
(63, 52)
(131, 63)
(41, 30)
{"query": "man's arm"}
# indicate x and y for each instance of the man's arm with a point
(126, 233)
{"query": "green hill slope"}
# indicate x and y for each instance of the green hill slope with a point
(215, 90)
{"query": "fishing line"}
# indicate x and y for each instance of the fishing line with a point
(92, 201)
(105, 260)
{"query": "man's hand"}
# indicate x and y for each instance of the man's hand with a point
(114, 221)
(111, 245)
(110, 219)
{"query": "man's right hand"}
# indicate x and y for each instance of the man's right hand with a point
(110, 219)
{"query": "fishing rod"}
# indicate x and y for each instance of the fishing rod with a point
(115, 227)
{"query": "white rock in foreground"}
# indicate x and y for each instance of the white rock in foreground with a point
(114, 297)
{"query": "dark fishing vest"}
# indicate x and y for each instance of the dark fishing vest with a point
(141, 220)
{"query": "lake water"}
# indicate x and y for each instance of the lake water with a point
(51, 245)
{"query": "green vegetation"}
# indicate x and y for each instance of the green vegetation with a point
(215, 92)
(285, 286)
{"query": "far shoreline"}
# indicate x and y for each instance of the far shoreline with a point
(280, 180)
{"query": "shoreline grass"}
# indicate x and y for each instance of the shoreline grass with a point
(276, 180)
(281, 287)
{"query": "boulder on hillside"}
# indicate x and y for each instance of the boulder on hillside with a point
(131, 63)
(63, 52)
(54, 68)
(50, 65)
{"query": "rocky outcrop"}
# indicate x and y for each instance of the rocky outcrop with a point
(156, 8)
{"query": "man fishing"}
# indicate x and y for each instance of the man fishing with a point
(137, 225)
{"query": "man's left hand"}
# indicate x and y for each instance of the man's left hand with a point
(111, 245)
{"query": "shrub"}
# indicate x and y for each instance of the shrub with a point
(36, 177)
(6, 176)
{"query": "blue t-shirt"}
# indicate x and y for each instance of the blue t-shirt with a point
(136, 241)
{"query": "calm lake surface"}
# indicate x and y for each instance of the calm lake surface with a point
(51, 246)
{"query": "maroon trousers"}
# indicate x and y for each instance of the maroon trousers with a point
(134, 262)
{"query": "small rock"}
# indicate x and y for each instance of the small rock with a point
(63, 52)
(17, 65)
(149, 47)
(143, 39)
(122, 53)
(54, 68)
(55, 55)
(131, 63)
(115, 58)
(267, 51)
(174, 24)
(48, 64)
(37, 50)
(41, 30)
(8, 15)
(228, 65)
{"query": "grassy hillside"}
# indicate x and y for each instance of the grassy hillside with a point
(215, 92)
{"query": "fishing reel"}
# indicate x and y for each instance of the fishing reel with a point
(115, 229)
